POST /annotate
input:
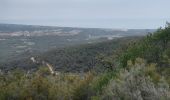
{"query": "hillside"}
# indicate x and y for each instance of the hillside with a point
(80, 58)
(84, 57)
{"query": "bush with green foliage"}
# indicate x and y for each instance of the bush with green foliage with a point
(41, 85)
(138, 82)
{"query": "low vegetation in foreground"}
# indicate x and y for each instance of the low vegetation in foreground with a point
(139, 71)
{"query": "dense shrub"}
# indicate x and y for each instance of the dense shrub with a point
(43, 86)
(137, 83)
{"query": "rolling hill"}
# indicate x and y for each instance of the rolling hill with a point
(79, 58)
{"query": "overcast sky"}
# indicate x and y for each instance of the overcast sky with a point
(87, 13)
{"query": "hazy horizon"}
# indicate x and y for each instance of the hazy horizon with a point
(128, 14)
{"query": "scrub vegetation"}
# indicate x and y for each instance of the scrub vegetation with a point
(139, 70)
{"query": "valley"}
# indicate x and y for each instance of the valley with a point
(16, 40)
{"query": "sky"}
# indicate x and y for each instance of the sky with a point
(129, 14)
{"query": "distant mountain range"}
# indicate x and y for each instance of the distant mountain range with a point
(35, 30)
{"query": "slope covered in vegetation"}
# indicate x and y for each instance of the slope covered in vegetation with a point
(80, 58)
(140, 71)
(143, 70)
